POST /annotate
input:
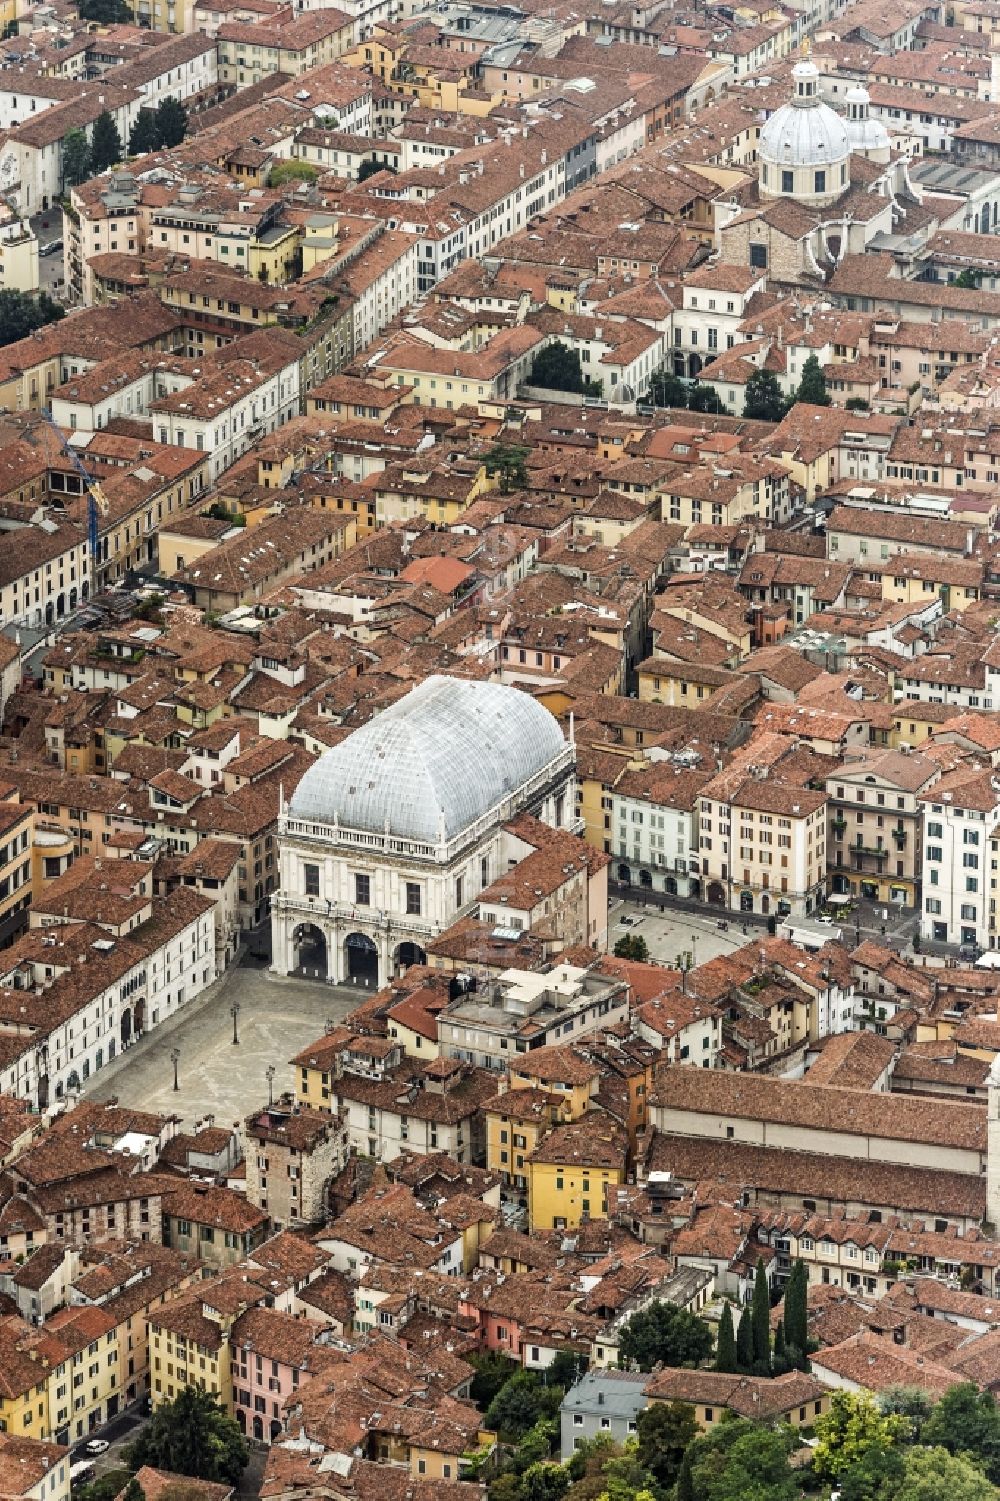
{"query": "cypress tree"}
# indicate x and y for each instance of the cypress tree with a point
(780, 1359)
(725, 1351)
(760, 1324)
(684, 1490)
(744, 1343)
(796, 1316)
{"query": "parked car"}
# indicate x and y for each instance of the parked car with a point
(50, 247)
(98, 1446)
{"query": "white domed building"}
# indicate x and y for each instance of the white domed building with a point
(804, 148)
(393, 833)
(827, 185)
(869, 138)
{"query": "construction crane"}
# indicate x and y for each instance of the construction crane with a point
(97, 501)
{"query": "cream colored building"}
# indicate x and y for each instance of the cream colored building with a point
(874, 828)
(762, 845)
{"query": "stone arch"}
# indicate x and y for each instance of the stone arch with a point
(624, 874)
(746, 901)
(406, 954)
(646, 880)
(716, 894)
(360, 960)
(311, 956)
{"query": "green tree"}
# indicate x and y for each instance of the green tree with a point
(508, 461)
(910, 1402)
(143, 137)
(544, 1481)
(856, 404)
(292, 171)
(795, 1315)
(742, 1461)
(760, 1322)
(76, 158)
(171, 122)
(968, 279)
(763, 401)
(493, 1371)
(370, 167)
(744, 1342)
(851, 1432)
(519, 1404)
(106, 12)
(667, 390)
(779, 1357)
(192, 1435)
(684, 1489)
(936, 1475)
(725, 1349)
(812, 386)
(704, 398)
(664, 1431)
(557, 368)
(631, 946)
(21, 314)
(105, 1487)
(664, 1334)
(967, 1421)
(105, 144)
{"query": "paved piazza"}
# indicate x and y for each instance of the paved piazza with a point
(277, 1018)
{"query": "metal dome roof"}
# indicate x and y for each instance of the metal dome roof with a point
(432, 763)
(805, 132)
(795, 137)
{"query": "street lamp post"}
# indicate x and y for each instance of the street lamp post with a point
(234, 1012)
(175, 1054)
(270, 1071)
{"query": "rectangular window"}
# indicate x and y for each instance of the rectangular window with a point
(413, 898)
(363, 891)
(311, 877)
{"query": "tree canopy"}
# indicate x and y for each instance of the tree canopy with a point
(967, 1421)
(75, 157)
(557, 367)
(106, 12)
(664, 1431)
(143, 137)
(763, 400)
(192, 1435)
(741, 1461)
(507, 461)
(936, 1475)
(21, 314)
(518, 1405)
(632, 946)
(105, 144)
(666, 1335)
(812, 386)
(171, 122)
(854, 1433)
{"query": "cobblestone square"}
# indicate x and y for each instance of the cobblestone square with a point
(277, 1017)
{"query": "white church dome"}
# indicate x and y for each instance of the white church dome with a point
(805, 132)
(868, 137)
(433, 762)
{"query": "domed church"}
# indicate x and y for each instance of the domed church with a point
(827, 186)
(392, 834)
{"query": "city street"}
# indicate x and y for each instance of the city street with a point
(276, 1019)
(48, 226)
(673, 927)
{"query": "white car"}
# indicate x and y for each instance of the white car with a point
(98, 1446)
